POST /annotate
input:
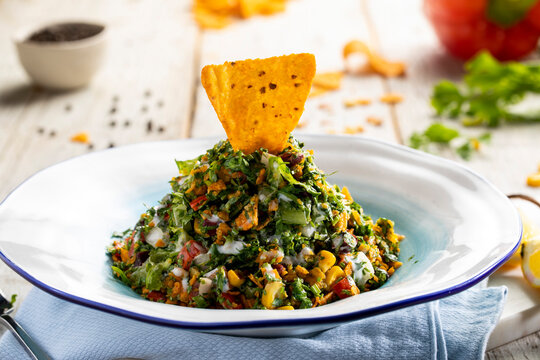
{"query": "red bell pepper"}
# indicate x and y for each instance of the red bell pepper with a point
(189, 251)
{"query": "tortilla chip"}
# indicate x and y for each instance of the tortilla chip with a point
(375, 61)
(249, 8)
(259, 102)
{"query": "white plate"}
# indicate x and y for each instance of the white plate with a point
(54, 229)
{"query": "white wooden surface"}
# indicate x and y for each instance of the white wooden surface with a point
(152, 74)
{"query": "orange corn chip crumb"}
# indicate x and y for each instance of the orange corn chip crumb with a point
(391, 98)
(374, 121)
(376, 62)
(356, 102)
(81, 138)
(533, 180)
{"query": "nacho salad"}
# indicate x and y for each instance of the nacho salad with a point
(253, 223)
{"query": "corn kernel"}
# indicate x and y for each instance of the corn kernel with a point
(316, 276)
(301, 271)
(271, 292)
(234, 279)
(334, 274)
(288, 307)
(327, 260)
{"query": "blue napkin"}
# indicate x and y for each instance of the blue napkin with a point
(456, 327)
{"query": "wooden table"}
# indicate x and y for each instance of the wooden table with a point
(149, 89)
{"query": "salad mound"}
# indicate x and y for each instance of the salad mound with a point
(256, 231)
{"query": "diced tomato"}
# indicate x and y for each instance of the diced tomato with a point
(345, 288)
(519, 40)
(155, 296)
(198, 202)
(189, 251)
(230, 301)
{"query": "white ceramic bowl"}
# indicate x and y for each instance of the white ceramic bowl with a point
(61, 65)
(55, 227)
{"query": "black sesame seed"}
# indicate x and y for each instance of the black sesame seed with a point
(149, 126)
(293, 77)
(40, 130)
(147, 93)
(115, 98)
(90, 146)
(113, 110)
(127, 123)
(296, 85)
(296, 108)
(111, 145)
(263, 105)
(112, 123)
(250, 86)
(52, 133)
(68, 108)
(262, 90)
(272, 86)
(161, 129)
(144, 108)
(160, 103)
(232, 86)
(233, 63)
(261, 73)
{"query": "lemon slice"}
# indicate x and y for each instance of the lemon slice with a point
(530, 252)
(530, 231)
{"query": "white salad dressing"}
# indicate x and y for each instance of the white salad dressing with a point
(205, 285)
(362, 268)
(154, 235)
(268, 270)
(231, 247)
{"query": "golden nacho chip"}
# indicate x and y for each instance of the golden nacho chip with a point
(259, 102)
(375, 61)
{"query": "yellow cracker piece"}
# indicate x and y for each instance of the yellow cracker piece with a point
(376, 62)
(208, 19)
(81, 138)
(357, 102)
(259, 102)
(391, 98)
(248, 8)
(328, 80)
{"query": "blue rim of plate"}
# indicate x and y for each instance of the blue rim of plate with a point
(341, 318)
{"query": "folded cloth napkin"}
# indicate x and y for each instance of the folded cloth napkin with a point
(456, 327)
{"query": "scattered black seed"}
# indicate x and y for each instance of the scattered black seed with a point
(275, 115)
(256, 122)
(111, 145)
(144, 108)
(296, 109)
(296, 85)
(52, 133)
(232, 86)
(113, 110)
(272, 86)
(262, 90)
(293, 77)
(233, 63)
(67, 107)
(263, 105)
(115, 98)
(40, 130)
(112, 123)
(160, 103)
(273, 106)
(261, 73)
(149, 126)
(161, 129)
(127, 123)
(250, 86)
(90, 146)
(147, 93)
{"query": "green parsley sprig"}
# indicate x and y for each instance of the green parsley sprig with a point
(491, 89)
(437, 133)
